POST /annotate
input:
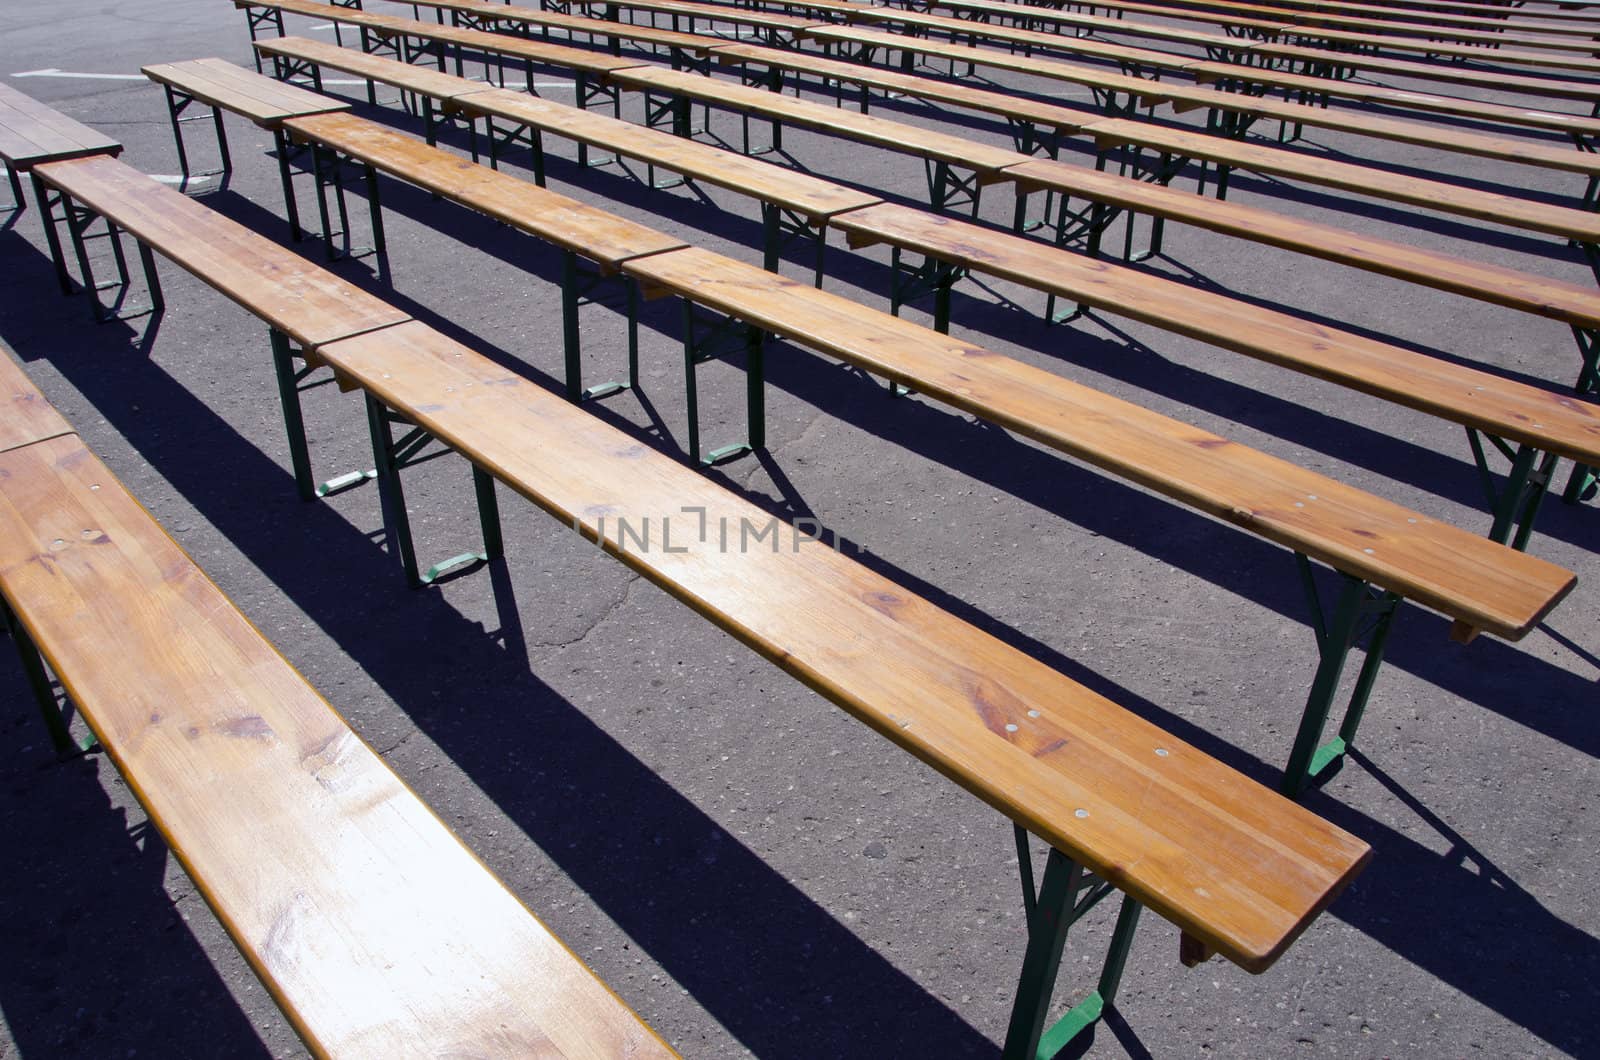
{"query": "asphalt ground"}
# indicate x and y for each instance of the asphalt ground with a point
(750, 868)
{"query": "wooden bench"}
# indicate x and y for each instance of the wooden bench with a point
(1249, 80)
(1549, 53)
(1565, 429)
(372, 926)
(1464, 15)
(301, 304)
(1122, 805)
(1240, 872)
(1231, 114)
(218, 85)
(31, 133)
(793, 204)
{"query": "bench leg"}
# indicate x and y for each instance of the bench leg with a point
(44, 692)
(48, 201)
(327, 170)
(949, 190)
(79, 220)
(577, 290)
(696, 351)
(931, 276)
(1359, 604)
(1583, 477)
(177, 103)
(1067, 893)
(590, 91)
(18, 202)
(779, 228)
(283, 149)
(291, 382)
(514, 136)
(1515, 503)
(393, 456)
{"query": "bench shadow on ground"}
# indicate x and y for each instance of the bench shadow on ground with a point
(1401, 901)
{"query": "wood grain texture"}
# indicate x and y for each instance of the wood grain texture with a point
(424, 79)
(1449, 73)
(26, 416)
(1222, 857)
(1512, 211)
(263, 100)
(388, 26)
(1416, 18)
(987, 161)
(723, 13)
(378, 933)
(604, 238)
(1549, 419)
(1466, 577)
(1487, 283)
(513, 15)
(305, 301)
(31, 132)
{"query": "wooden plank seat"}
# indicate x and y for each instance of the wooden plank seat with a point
(28, 415)
(301, 304)
(594, 244)
(372, 926)
(1316, 60)
(1250, 80)
(1230, 114)
(1240, 871)
(1540, 422)
(218, 85)
(957, 169)
(1547, 52)
(793, 204)
(1461, 15)
(1279, 337)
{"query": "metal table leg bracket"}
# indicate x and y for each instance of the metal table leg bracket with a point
(579, 281)
(516, 135)
(909, 282)
(783, 227)
(1065, 896)
(48, 199)
(179, 101)
(1360, 611)
(722, 336)
(328, 170)
(258, 19)
(291, 383)
(412, 448)
(1514, 503)
(952, 190)
(80, 220)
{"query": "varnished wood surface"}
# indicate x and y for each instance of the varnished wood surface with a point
(1449, 73)
(723, 13)
(425, 79)
(1488, 283)
(375, 929)
(1553, 53)
(604, 238)
(987, 161)
(26, 416)
(31, 132)
(816, 198)
(1555, 420)
(1513, 211)
(1466, 577)
(263, 100)
(307, 302)
(1225, 859)
(1429, 15)
(1049, 115)
(584, 59)
(512, 14)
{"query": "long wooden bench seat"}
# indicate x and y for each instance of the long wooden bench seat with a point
(26, 415)
(1240, 871)
(525, 20)
(372, 926)
(1308, 88)
(1549, 53)
(1120, 94)
(1145, 58)
(1565, 427)
(1470, 15)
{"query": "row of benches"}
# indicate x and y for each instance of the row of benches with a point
(1240, 871)
(1235, 484)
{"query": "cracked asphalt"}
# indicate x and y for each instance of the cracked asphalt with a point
(752, 870)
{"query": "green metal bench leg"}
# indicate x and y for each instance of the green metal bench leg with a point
(290, 384)
(47, 216)
(576, 291)
(695, 352)
(1514, 504)
(781, 227)
(1051, 913)
(1357, 602)
(931, 276)
(291, 206)
(18, 203)
(391, 457)
(43, 690)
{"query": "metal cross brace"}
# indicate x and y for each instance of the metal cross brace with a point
(949, 189)
(1515, 503)
(259, 18)
(1065, 896)
(291, 384)
(1358, 603)
(930, 276)
(80, 219)
(410, 449)
(327, 169)
(782, 227)
(177, 102)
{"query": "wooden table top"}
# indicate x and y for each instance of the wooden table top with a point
(31, 132)
(263, 100)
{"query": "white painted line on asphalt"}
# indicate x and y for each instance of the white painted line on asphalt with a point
(53, 72)
(177, 178)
